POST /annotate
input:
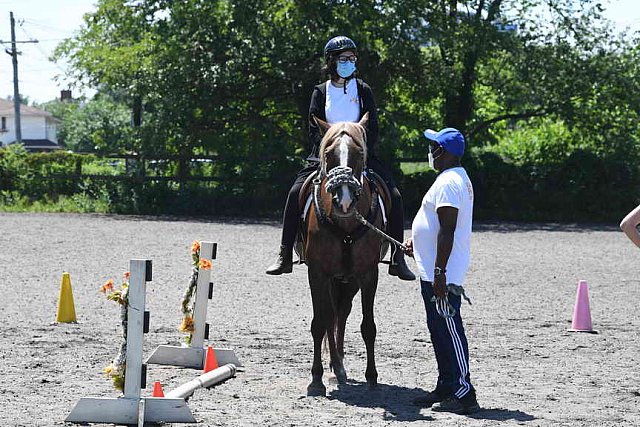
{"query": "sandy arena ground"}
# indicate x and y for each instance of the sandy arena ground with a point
(527, 368)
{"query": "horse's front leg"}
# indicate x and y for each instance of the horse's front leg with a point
(368, 286)
(319, 325)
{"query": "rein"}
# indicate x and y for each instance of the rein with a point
(381, 233)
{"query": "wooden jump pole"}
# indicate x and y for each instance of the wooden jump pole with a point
(193, 355)
(131, 408)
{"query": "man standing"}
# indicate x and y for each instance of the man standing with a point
(440, 242)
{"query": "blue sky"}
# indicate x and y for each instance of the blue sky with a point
(50, 21)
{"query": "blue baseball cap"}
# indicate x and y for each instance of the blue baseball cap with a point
(449, 138)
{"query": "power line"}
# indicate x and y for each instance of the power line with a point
(47, 27)
(51, 40)
(44, 54)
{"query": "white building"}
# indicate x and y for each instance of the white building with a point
(38, 127)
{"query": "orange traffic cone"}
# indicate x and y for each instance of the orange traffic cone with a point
(210, 362)
(157, 390)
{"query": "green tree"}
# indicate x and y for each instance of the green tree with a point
(234, 78)
(99, 125)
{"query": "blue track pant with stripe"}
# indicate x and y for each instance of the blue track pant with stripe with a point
(449, 345)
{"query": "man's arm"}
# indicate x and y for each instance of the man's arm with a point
(448, 217)
(629, 225)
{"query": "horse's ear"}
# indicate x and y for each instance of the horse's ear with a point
(364, 120)
(324, 126)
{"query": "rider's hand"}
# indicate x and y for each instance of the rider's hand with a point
(409, 245)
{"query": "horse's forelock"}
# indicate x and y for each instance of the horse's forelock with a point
(354, 130)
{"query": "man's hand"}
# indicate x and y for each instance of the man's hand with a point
(409, 245)
(440, 285)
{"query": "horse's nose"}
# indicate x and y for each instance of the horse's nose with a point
(345, 200)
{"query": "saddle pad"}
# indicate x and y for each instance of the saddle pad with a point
(307, 205)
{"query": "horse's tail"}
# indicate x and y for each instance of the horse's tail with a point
(325, 346)
(325, 341)
(334, 295)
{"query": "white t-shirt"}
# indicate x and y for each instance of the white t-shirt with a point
(340, 106)
(452, 188)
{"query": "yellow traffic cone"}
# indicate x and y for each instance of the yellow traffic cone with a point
(66, 309)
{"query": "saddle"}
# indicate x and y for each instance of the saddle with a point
(305, 199)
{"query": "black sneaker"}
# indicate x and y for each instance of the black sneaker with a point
(456, 406)
(428, 399)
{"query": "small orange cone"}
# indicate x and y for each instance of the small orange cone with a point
(157, 390)
(210, 362)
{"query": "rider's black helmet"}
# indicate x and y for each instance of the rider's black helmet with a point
(338, 44)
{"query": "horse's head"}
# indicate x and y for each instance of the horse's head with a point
(343, 156)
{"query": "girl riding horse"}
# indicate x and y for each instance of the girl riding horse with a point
(342, 98)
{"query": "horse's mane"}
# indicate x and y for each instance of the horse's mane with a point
(354, 130)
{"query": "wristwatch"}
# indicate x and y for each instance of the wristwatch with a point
(438, 271)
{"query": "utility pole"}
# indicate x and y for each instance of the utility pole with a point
(16, 92)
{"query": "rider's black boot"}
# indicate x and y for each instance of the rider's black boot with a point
(284, 263)
(398, 266)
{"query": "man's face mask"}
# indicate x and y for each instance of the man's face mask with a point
(435, 151)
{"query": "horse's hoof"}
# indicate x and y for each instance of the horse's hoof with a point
(315, 389)
(341, 375)
(372, 384)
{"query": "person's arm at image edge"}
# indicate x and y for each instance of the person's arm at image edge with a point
(629, 225)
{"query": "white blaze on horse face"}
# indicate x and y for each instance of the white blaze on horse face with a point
(346, 199)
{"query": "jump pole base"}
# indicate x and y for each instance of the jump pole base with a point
(190, 357)
(126, 411)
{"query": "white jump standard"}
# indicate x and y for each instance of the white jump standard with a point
(133, 409)
(193, 355)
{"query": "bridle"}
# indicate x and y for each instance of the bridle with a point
(343, 175)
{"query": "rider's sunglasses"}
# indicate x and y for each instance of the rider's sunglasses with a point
(345, 59)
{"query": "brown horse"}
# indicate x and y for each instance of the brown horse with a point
(342, 255)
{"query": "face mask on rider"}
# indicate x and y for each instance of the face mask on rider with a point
(345, 69)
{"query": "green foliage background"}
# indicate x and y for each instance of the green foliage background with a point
(550, 109)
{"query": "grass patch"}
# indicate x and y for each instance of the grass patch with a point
(411, 168)
(76, 203)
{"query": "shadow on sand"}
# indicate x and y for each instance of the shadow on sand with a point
(522, 227)
(500, 414)
(395, 400)
(397, 403)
